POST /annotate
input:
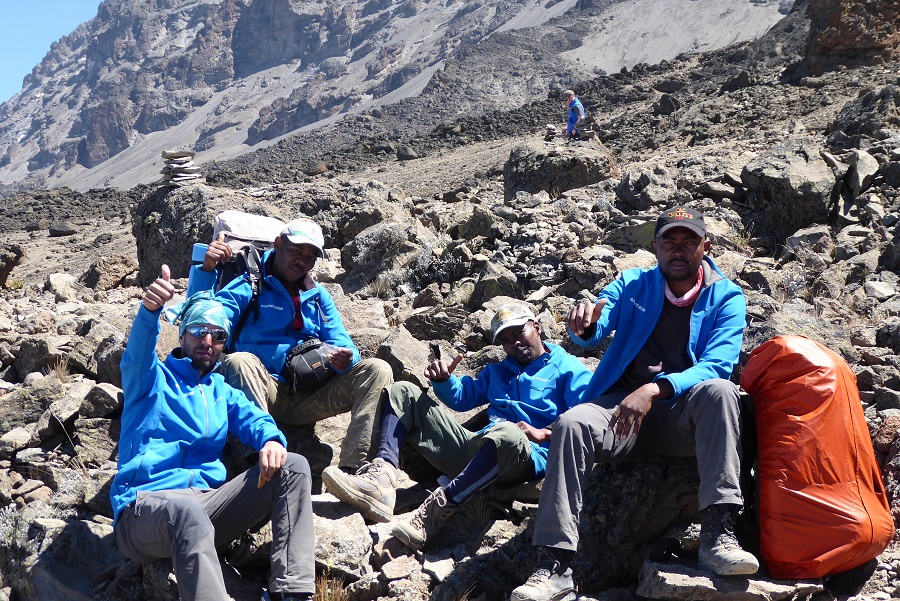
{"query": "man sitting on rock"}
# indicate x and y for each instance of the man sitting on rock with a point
(662, 388)
(169, 497)
(524, 394)
(291, 309)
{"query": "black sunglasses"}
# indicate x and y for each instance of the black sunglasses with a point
(202, 331)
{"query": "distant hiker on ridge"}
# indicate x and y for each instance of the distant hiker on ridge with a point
(576, 113)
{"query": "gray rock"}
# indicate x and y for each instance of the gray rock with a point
(791, 185)
(109, 272)
(682, 583)
(343, 545)
(102, 400)
(532, 168)
(863, 169)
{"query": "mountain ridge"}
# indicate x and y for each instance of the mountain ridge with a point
(107, 98)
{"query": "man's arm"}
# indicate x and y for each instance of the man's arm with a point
(460, 394)
(139, 359)
(334, 333)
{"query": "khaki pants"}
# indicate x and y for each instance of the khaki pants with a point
(448, 446)
(357, 391)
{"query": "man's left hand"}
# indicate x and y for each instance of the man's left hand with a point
(629, 413)
(340, 358)
(271, 457)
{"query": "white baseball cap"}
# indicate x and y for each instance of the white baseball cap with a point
(305, 231)
(509, 316)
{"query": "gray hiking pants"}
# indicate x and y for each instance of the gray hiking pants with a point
(187, 525)
(448, 446)
(357, 391)
(705, 422)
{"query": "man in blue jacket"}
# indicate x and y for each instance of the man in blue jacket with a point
(524, 393)
(291, 308)
(662, 388)
(169, 497)
(576, 113)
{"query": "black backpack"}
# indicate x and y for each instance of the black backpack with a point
(249, 237)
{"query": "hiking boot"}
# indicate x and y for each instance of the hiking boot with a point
(551, 580)
(719, 549)
(428, 520)
(371, 489)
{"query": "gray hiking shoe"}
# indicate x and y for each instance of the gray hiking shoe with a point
(371, 489)
(428, 520)
(720, 551)
(551, 581)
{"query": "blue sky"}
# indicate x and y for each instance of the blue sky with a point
(28, 27)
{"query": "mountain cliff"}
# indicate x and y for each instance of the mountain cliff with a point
(226, 76)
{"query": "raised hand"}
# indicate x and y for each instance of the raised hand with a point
(440, 370)
(160, 291)
(217, 252)
(583, 315)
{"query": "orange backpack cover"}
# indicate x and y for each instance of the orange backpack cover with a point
(822, 504)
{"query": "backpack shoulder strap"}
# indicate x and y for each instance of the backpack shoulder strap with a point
(253, 275)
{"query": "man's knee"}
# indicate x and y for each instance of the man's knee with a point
(718, 391)
(404, 396)
(240, 362)
(378, 371)
(298, 464)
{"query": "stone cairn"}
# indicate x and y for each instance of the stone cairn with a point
(180, 168)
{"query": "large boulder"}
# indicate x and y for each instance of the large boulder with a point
(532, 167)
(791, 186)
(852, 31)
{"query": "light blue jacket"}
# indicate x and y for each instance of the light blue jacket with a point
(270, 335)
(576, 112)
(634, 303)
(174, 422)
(536, 394)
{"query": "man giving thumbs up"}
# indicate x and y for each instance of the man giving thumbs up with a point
(170, 498)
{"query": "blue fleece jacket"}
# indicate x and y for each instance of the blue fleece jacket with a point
(576, 112)
(537, 393)
(175, 422)
(270, 334)
(634, 303)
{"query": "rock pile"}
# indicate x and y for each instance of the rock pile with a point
(180, 169)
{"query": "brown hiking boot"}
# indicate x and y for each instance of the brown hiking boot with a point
(371, 489)
(720, 551)
(428, 520)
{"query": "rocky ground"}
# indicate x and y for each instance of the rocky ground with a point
(797, 168)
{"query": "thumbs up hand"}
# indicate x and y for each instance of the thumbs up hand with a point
(217, 252)
(160, 291)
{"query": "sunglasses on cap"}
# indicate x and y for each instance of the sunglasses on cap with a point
(201, 332)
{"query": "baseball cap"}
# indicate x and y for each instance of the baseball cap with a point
(305, 231)
(508, 316)
(680, 217)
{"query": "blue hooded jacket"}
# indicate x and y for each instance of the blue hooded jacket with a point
(537, 393)
(270, 335)
(576, 112)
(634, 303)
(175, 422)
